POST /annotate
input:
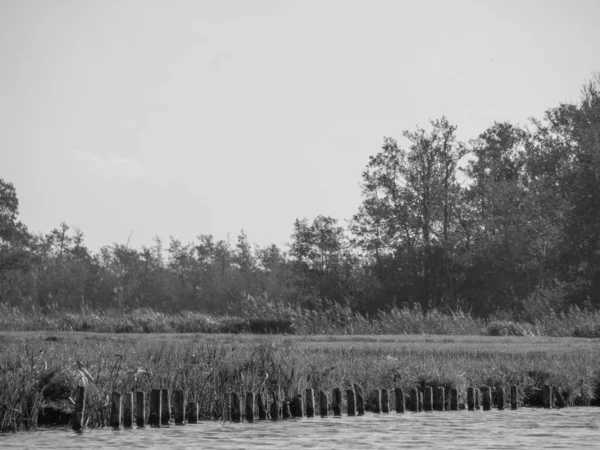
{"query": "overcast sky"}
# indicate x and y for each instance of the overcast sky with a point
(205, 117)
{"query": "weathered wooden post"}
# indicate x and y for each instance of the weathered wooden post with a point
(500, 398)
(78, 422)
(275, 409)
(360, 401)
(414, 400)
(486, 394)
(128, 410)
(140, 409)
(385, 401)
(262, 408)
(155, 407)
(351, 402)
(192, 412)
(323, 403)
(115, 410)
(285, 412)
(310, 403)
(165, 413)
(471, 398)
(236, 407)
(336, 402)
(400, 403)
(547, 396)
(477, 399)
(439, 398)
(298, 406)
(179, 407)
(453, 399)
(226, 406)
(428, 399)
(420, 401)
(250, 400)
(376, 401)
(513, 397)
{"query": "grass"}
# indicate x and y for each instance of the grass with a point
(39, 371)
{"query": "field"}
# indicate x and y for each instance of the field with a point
(39, 371)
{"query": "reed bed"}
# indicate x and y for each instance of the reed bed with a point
(39, 372)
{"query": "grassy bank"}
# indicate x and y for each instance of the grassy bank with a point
(264, 317)
(40, 370)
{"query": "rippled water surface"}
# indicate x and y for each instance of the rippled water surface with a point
(571, 428)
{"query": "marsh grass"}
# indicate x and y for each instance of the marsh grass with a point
(40, 371)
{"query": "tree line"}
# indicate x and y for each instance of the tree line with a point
(507, 222)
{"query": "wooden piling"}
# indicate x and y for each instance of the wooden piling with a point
(547, 396)
(236, 407)
(428, 399)
(471, 398)
(385, 401)
(155, 408)
(250, 400)
(439, 398)
(360, 400)
(262, 408)
(179, 407)
(453, 399)
(128, 410)
(285, 410)
(486, 394)
(336, 402)
(400, 403)
(420, 401)
(298, 407)
(115, 410)
(192, 412)
(477, 399)
(165, 412)
(275, 408)
(500, 398)
(310, 403)
(351, 402)
(323, 403)
(414, 400)
(140, 409)
(376, 401)
(78, 414)
(513, 397)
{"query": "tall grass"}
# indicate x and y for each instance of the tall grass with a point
(39, 372)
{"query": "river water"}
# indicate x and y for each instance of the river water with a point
(572, 428)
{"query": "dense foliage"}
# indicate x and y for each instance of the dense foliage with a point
(506, 224)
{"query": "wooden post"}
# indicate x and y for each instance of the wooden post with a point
(286, 413)
(236, 407)
(477, 399)
(351, 402)
(360, 400)
(250, 406)
(400, 403)
(547, 396)
(453, 399)
(78, 422)
(486, 394)
(513, 397)
(336, 402)
(192, 412)
(428, 399)
(439, 398)
(298, 407)
(310, 403)
(140, 409)
(500, 398)
(385, 401)
(155, 407)
(179, 407)
(262, 408)
(275, 409)
(165, 413)
(414, 400)
(128, 409)
(471, 398)
(376, 401)
(226, 406)
(115, 410)
(323, 403)
(420, 401)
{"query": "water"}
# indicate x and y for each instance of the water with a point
(571, 428)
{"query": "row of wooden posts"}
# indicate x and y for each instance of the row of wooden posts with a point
(124, 414)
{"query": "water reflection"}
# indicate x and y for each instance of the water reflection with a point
(571, 428)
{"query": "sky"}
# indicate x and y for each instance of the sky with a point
(132, 119)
